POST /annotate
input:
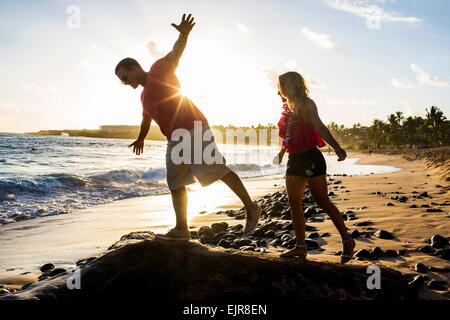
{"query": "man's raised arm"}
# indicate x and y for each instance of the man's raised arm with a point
(184, 28)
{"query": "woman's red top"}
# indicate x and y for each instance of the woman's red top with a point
(304, 136)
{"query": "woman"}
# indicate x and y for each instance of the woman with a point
(302, 132)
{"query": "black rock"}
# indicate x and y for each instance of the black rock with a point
(403, 199)
(421, 268)
(204, 239)
(439, 238)
(3, 292)
(224, 243)
(269, 234)
(434, 210)
(217, 227)
(47, 267)
(390, 253)
(417, 283)
(437, 285)
(444, 253)
(247, 248)
(355, 234)
(310, 211)
(205, 231)
(325, 234)
(427, 249)
(424, 194)
(363, 253)
(237, 227)
(275, 242)
(261, 243)
(363, 223)
(194, 234)
(311, 244)
(413, 206)
(425, 206)
(382, 234)
(313, 235)
(389, 204)
(376, 253)
(286, 237)
(438, 245)
(331, 194)
(259, 232)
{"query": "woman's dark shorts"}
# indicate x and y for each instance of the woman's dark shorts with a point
(308, 164)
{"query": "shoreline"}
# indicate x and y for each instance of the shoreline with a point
(395, 221)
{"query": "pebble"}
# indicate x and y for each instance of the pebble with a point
(205, 231)
(224, 243)
(434, 210)
(438, 238)
(362, 253)
(313, 235)
(47, 267)
(427, 249)
(376, 253)
(421, 268)
(390, 253)
(311, 244)
(389, 204)
(382, 234)
(355, 234)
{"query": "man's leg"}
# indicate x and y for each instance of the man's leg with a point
(179, 201)
(233, 181)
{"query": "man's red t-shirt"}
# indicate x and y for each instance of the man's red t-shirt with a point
(163, 102)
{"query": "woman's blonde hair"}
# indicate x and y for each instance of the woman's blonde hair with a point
(294, 89)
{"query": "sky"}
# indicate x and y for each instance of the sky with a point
(362, 59)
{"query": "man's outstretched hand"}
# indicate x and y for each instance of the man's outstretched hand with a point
(138, 147)
(185, 25)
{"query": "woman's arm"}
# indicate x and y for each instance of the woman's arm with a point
(279, 157)
(313, 117)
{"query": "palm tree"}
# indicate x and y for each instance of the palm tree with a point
(435, 120)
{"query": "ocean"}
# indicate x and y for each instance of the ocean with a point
(50, 175)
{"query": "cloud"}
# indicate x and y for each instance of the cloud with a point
(402, 84)
(425, 78)
(153, 49)
(243, 28)
(370, 9)
(311, 81)
(321, 39)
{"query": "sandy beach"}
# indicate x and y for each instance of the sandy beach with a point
(62, 240)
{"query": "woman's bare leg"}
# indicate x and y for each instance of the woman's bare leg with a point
(319, 191)
(295, 187)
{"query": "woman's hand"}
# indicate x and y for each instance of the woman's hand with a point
(278, 158)
(341, 154)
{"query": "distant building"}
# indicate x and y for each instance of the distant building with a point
(119, 129)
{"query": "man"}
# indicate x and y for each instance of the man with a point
(162, 101)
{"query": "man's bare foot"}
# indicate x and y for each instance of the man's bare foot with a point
(297, 251)
(175, 234)
(252, 219)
